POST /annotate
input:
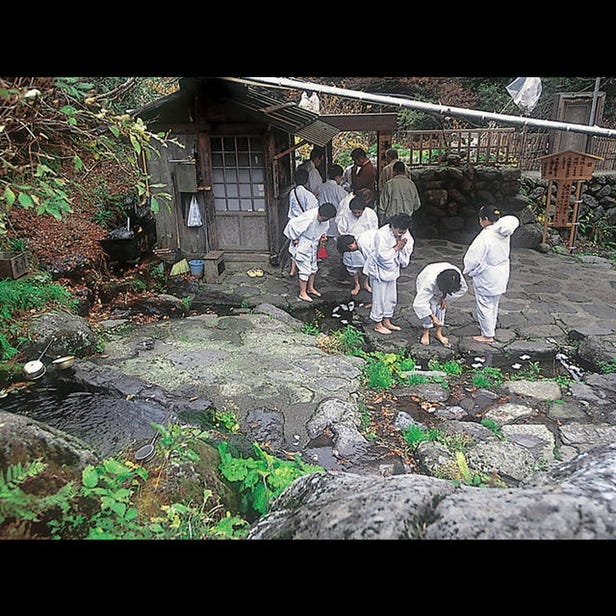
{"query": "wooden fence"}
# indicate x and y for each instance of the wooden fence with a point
(491, 146)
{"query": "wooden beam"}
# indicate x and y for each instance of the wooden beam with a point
(386, 122)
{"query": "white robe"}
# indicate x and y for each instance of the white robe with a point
(487, 263)
(382, 266)
(301, 200)
(428, 295)
(332, 192)
(314, 177)
(487, 258)
(307, 230)
(384, 263)
(349, 224)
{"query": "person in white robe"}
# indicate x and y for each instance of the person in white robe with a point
(315, 179)
(332, 192)
(393, 246)
(300, 201)
(436, 285)
(305, 232)
(353, 220)
(487, 263)
(300, 198)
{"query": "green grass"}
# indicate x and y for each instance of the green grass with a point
(32, 292)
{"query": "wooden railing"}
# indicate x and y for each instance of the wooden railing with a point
(490, 146)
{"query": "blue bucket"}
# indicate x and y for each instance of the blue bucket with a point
(196, 267)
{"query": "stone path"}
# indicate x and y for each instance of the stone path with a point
(552, 300)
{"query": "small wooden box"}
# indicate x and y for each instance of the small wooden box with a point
(215, 269)
(13, 264)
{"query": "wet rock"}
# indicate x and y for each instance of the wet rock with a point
(574, 500)
(69, 333)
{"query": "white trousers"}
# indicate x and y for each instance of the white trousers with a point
(437, 311)
(487, 313)
(384, 299)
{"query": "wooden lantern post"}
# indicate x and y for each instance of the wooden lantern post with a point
(565, 168)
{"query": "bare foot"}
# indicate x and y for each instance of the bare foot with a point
(425, 338)
(355, 290)
(381, 329)
(442, 339)
(482, 339)
(368, 305)
(368, 288)
(304, 298)
(314, 292)
(390, 325)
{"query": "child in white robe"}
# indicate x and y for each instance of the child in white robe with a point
(354, 220)
(487, 263)
(305, 232)
(436, 285)
(393, 246)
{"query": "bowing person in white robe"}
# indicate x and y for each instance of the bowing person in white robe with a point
(393, 246)
(436, 285)
(305, 232)
(487, 263)
(353, 219)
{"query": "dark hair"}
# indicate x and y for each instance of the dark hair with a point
(392, 153)
(357, 202)
(334, 171)
(448, 281)
(343, 242)
(490, 212)
(327, 210)
(358, 153)
(401, 221)
(301, 176)
(398, 167)
(316, 153)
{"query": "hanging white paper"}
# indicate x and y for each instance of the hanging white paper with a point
(525, 92)
(194, 215)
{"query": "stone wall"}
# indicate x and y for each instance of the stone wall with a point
(451, 198)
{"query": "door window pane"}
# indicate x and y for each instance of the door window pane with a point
(238, 173)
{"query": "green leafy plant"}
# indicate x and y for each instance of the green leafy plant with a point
(493, 427)
(47, 121)
(310, 328)
(17, 245)
(607, 367)
(488, 377)
(351, 339)
(262, 477)
(384, 370)
(113, 484)
(451, 367)
(194, 521)
(415, 435)
(16, 505)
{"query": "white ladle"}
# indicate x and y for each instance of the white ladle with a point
(36, 368)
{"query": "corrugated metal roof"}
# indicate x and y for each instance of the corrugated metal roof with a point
(287, 116)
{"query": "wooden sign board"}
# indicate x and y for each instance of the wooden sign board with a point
(568, 165)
